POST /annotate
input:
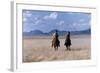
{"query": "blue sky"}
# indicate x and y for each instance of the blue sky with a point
(49, 20)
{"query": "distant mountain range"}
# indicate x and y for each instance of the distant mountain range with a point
(61, 33)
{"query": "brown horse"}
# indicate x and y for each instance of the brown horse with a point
(55, 42)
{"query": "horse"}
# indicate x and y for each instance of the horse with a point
(55, 43)
(68, 41)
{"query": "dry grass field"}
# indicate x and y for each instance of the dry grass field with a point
(37, 49)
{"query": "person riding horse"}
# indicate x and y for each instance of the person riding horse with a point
(68, 41)
(55, 41)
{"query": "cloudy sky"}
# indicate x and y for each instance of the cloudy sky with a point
(49, 20)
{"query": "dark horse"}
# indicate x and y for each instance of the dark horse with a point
(68, 41)
(55, 41)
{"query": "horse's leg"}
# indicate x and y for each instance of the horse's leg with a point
(57, 47)
(52, 44)
(66, 47)
(69, 48)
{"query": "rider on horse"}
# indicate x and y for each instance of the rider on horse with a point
(68, 41)
(55, 41)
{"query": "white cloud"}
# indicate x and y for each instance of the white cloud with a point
(24, 19)
(80, 24)
(82, 20)
(35, 18)
(27, 14)
(51, 16)
(37, 22)
(74, 24)
(61, 23)
(90, 23)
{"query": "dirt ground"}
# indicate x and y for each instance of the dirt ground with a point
(37, 49)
